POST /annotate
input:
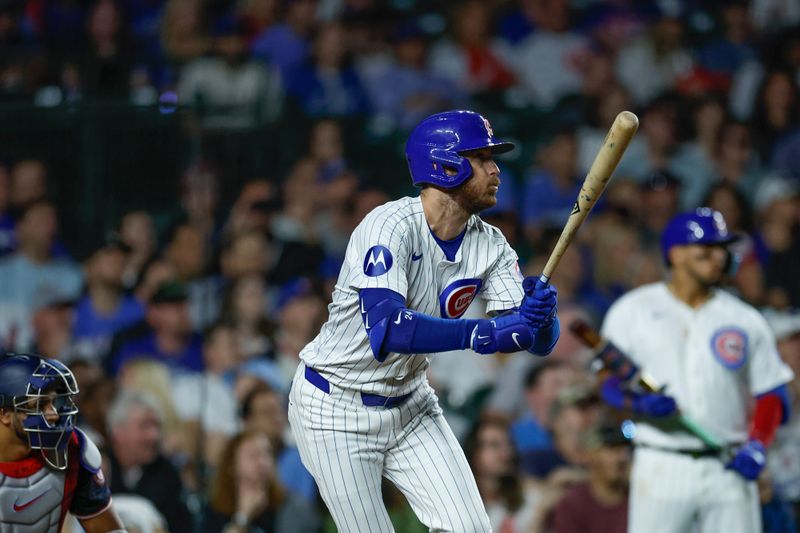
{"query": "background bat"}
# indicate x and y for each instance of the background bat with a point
(606, 160)
(610, 359)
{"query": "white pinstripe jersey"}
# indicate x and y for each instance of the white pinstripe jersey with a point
(393, 248)
(713, 359)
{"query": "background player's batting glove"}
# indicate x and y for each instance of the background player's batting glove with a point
(749, 460)
(656, 405)
(507, 333)
(539, 304)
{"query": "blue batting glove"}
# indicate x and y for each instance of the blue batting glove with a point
(539, 305)
(507, 333)
(749, 461)
(654, 404)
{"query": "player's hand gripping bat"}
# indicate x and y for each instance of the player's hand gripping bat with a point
(610, 359)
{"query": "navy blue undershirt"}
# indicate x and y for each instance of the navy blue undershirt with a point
(450, 248)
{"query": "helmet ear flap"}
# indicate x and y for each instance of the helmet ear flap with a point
(443, 159)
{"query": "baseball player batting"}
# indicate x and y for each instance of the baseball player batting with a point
(717, 357)
(360, 405)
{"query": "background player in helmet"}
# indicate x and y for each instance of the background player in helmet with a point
(47, 466)
(717, 357)
(360, 406)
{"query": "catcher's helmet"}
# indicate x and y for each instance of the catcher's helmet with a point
(439, 141)
(41, 389)
(702, 226)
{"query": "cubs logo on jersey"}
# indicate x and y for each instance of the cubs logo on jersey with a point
(729, 346)
(378, 261)
(457, 296)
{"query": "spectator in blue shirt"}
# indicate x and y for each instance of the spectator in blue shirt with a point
(542, 384)
(166, 336)
(551, 188)
(32, 272)
(285, 44)
(328, 84)
(105, 309)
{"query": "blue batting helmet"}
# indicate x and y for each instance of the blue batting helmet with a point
(702, 226)
(438, 142)
(28, 383)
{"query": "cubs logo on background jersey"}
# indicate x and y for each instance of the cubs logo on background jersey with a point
(729, 346)
(457, 296)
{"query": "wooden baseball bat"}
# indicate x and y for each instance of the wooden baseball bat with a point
(606, 160)
(617, 363)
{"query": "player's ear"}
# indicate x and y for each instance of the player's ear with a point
(6, 416)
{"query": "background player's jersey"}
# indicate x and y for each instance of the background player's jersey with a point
(393, 248)
(35, 498)
(713, 359)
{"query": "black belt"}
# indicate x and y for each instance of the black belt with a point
(369, 400)
(693, 453)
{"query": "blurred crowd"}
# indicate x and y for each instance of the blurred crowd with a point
(184, 329)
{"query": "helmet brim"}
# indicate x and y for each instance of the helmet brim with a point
(496, 147)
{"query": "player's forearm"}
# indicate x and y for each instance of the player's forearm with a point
(413, 332)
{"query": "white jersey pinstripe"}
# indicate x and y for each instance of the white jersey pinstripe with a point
(397, 235)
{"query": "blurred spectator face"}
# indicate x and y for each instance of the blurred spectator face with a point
(724, 200)
(232, 47)
(471, 23)
(326, 142)
(171, 318)
(598, 73)
(735, 145)
(569, 425)
(299, 320)
(254, 462)
(365, 202)
(139, 437)
(106, 267)
(200, 191)
(50, 323)
(779, 93)
(494, 456)
(411, 52)
(659, 126)
(186, 252)
(137, 232)
(330, 47)
(660, 200)
(612, 101)
(104, 21)
(541, 396)
(267, 414)
(667, 35)
(610, 465)
(28, 182)
(737, 23)
(259, 13)
(302, 14)
(248, 256)
(560, 155)
(708, 118)
(221, 350)
(551, 15)
(248, 299)
(37, 228)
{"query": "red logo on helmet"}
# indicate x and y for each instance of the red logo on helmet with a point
(455, 299)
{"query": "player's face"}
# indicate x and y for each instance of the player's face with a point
(705, 264)
(480, 191)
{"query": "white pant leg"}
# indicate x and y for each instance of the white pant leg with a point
(662, 494)
(428, 465)
(675, 493)
(341, 444)
(730, 502)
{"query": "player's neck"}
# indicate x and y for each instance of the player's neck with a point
(446, 218)
(689, 291)
(12, 449)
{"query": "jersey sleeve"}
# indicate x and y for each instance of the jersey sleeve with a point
(92, 495)
(378, 256)
(766, 369)
(503, 289)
